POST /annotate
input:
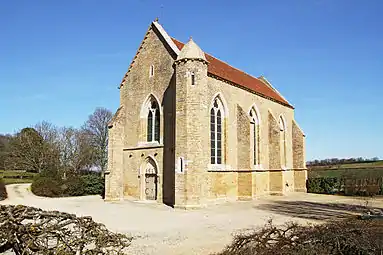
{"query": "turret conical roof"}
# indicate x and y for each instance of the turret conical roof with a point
(191, 51)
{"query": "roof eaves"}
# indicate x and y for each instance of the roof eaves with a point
(115, 117)
(265, 81)
(299, 128)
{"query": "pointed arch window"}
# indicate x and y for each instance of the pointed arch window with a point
(216, 132)
(282, 126)
(254, 123)
(153, 128)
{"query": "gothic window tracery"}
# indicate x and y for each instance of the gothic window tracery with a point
(153, 122)
(216, 132)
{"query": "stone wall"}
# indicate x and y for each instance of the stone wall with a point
(169, 176)
(274, 143)
(300, 178)
(245, 185)
(233, 96)
(133, 172)
(261, 183)
(113, 180)
(298, 140)
(289, 181)
(138, 86)
(221, 186)
(243, 140)
(299, 161)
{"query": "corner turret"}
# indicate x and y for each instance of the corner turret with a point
(191, 75)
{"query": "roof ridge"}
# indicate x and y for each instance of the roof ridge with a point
(235, 68)
(236, 76)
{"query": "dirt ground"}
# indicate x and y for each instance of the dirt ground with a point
(158, 229)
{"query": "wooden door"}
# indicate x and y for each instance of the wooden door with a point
(151, 186)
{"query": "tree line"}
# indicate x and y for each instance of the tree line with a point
(338, 161)
(46, 147)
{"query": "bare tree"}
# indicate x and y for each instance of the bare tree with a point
(50, 135)
(97, 128)
(29, 151)
(76, 152)
(48, 131)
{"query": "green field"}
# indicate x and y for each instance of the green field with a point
(12, 177)
(351, 165)
(361, 170)
(357, 172)
(14, 181)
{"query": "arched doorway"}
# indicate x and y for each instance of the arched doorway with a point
(149, 179)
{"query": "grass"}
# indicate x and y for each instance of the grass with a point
(352, 165)
(16, 181)
(13, 177)
(356, 172)
(360, 170)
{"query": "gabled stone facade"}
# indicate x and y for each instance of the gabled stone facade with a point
(188, 135)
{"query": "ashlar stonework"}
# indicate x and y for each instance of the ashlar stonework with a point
(191, 130)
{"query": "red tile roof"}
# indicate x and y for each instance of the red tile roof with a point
(224, 71)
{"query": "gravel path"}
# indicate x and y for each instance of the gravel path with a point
(159, 229)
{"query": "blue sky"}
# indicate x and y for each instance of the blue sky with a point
(59, 60)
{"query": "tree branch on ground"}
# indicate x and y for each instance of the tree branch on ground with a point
(28, 230)
(350, 236)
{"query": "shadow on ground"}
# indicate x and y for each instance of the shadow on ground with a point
(314, 211)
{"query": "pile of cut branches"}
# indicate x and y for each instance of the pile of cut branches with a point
(351, 236)
(29, 230)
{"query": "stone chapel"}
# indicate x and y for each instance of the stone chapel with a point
(191, 130)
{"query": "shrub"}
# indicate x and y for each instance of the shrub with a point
(365, 186)
(323, 185)
(346, 185)
(351, 236)
(3, 191)
(46, 186)
(87, 184)
(93, 184)
(73, 185)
